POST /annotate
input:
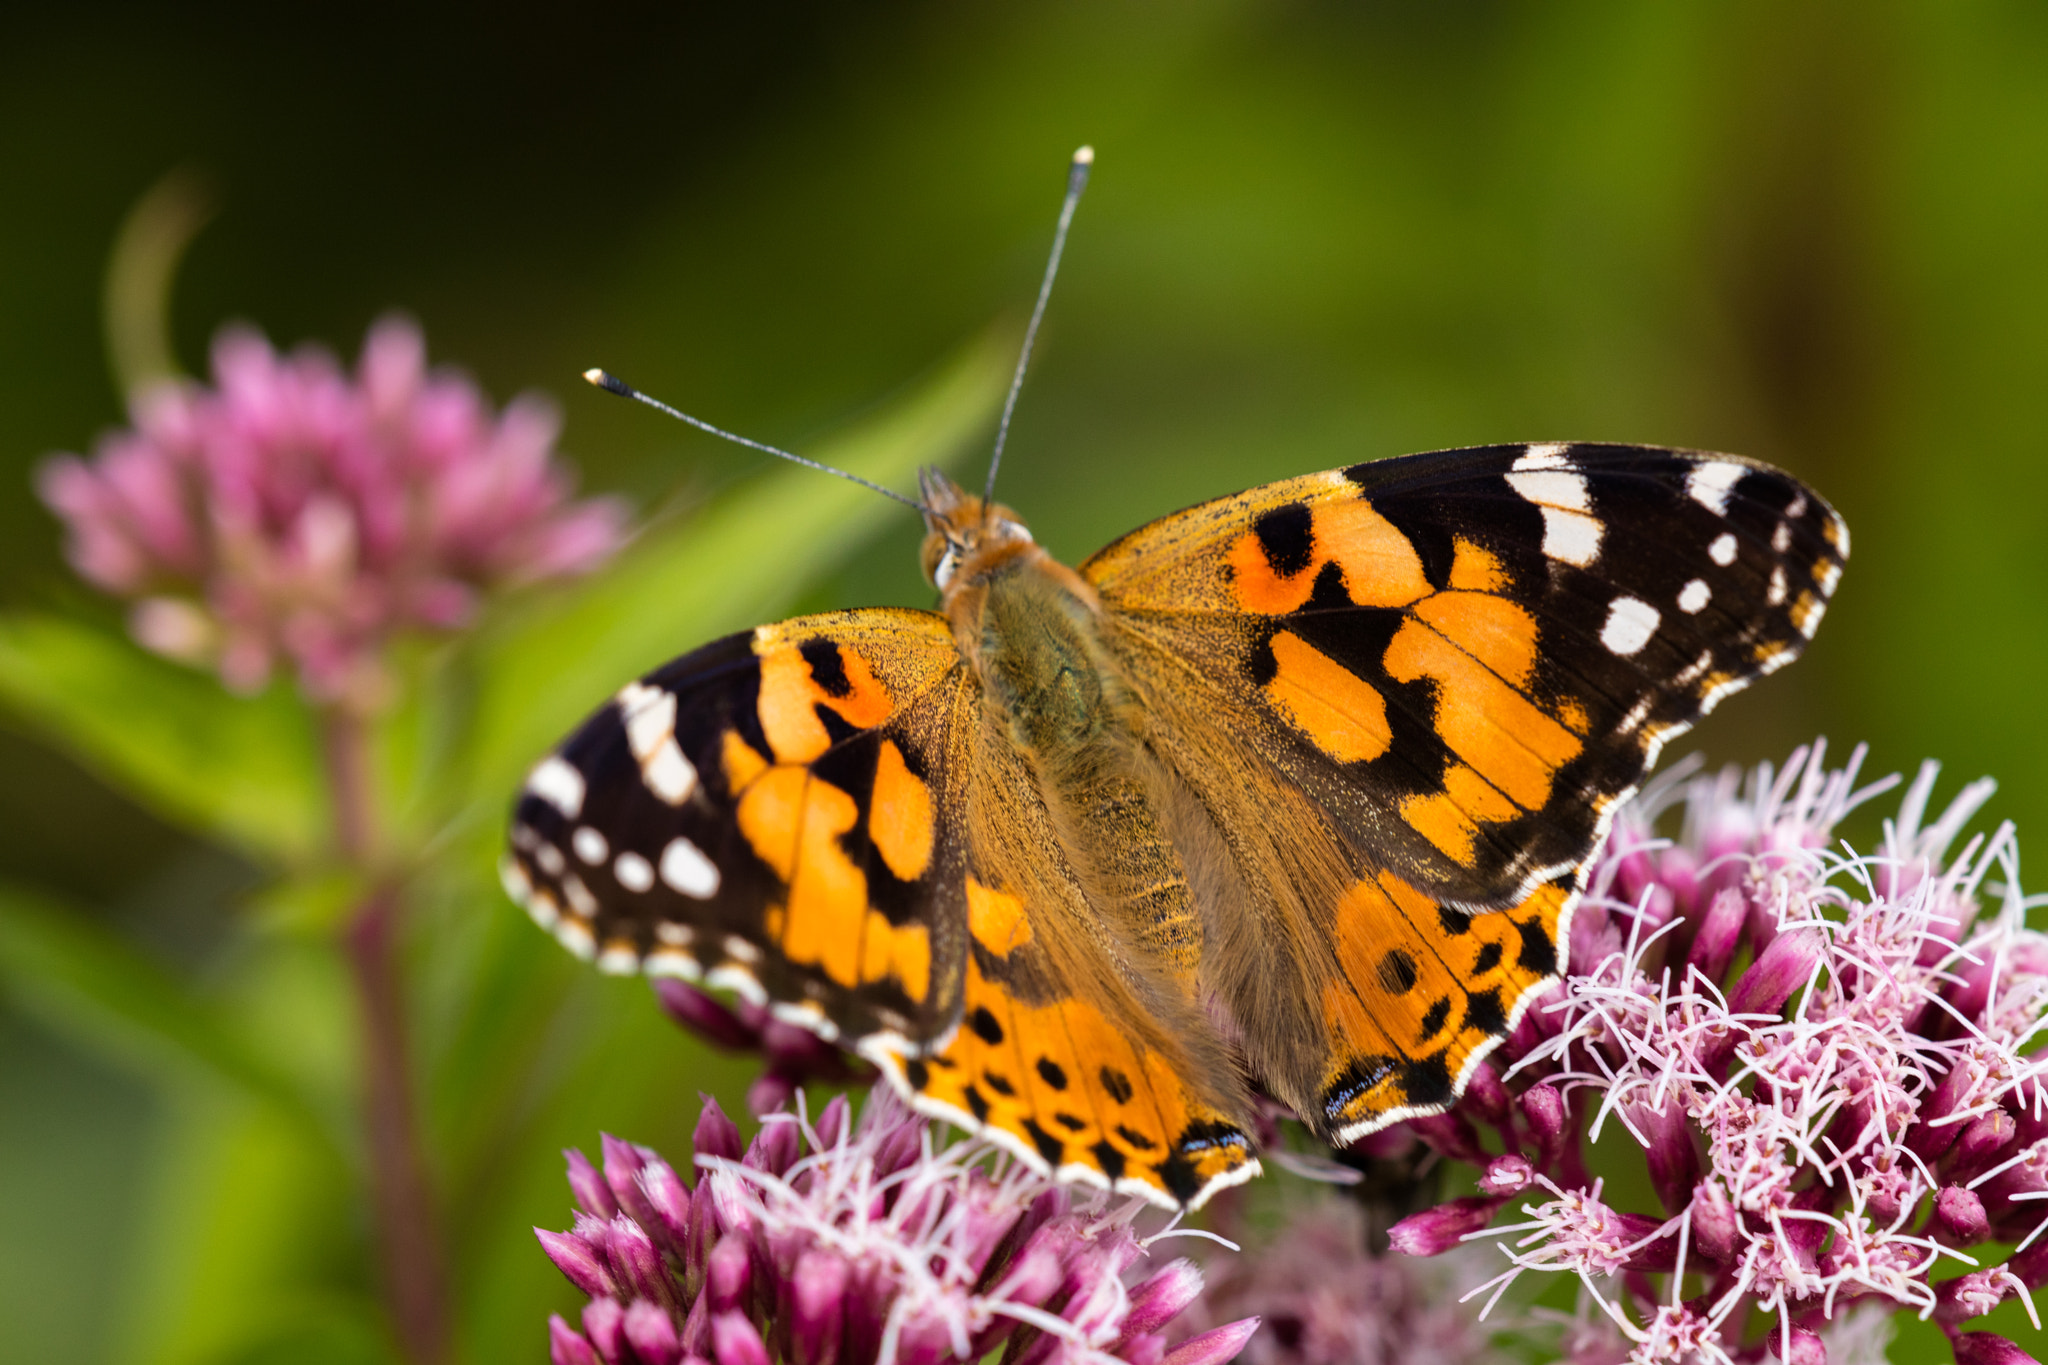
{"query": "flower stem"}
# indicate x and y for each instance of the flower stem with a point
(408, 1240)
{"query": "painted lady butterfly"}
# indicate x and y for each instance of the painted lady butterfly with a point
(1296, 787)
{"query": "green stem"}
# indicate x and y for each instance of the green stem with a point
(401, 1198)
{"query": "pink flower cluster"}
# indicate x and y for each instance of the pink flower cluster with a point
(1830, 1060)
(293, 512)
(845, 1244)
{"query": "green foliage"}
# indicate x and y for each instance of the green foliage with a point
(242, 771)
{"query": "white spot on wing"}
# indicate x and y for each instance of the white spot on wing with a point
(1572, 537)
(684, 867)
(739, 980)
(590, 845)
(513, 877)
(1781, 538)
(669, 775)
(1806, 614)
(1693, 596)
(1710, 482)
(1630, 624)
(634, 872)
(1549, 455)
(542, 910)
(554, 781)
(678, 935)
(739, 950)
(1827, 575)
(1722, 551)
(618, 959)
(669, 962)
(1696, 670)
(649, 715)
(1775, 594)
(1549, 487)
(580, 899)
(550, 859)
(575, 935)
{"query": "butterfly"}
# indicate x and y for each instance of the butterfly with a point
(1295, 788)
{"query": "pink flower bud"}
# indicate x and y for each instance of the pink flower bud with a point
(593, 1196)
(728, 1271)
(636, 1264)
(776, 1147)
(1215, 1347)
(1719, 935)
(1036, 1274)
(716, 1134)
(1486, 1098)
(1714, 1224)
(817, 1308)
(668, 1199)
(604, 1322)
(1673, 1161)
(566, 1345)
(832, 1121)
(1983, 1143)
(1970, 1296)
(1806, 1346)
(1435, 1231)
(1160, 1299)
(735, 1342)
(652, 1334)
(1959, 1213)
(1543, 1108)
(1777, 973)
(1988, 1348)
(1506, 1175)
(577, 1260)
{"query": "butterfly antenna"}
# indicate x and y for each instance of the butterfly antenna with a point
(1077, 181)
(611, 383)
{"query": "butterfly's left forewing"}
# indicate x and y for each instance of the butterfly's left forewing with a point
(768, 814)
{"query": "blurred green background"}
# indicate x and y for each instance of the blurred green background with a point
(1318, 233)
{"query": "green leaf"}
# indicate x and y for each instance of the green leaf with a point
(243, 769)
(724, 569)
(90, 985)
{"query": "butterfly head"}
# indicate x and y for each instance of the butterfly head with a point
(965, 538)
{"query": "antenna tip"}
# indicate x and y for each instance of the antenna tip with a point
(609, 383)
(1084, 156)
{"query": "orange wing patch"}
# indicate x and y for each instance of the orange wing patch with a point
(1341, 712)
(791, 694)
(1429, 992)
(794, 822)
(1061, 1087)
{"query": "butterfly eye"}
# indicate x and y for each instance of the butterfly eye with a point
(943, 575)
